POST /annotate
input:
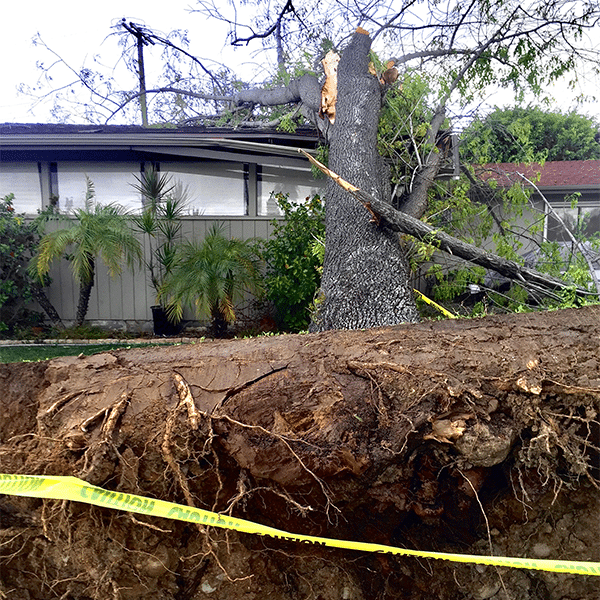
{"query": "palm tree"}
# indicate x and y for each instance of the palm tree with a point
(164, 206)
(211, 276)
(100, 231)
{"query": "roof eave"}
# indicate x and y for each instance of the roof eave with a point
(128, 141)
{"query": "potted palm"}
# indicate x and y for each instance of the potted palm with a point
(160, 221)
(211, 276)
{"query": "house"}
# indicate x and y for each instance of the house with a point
(559, 183)
(229, 175)
(565, 199)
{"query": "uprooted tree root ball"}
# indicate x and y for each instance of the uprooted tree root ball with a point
(472, 436)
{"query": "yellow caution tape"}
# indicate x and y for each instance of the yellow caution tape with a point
(435, 305)
(71, 488)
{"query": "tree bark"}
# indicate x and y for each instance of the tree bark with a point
(42, 300)
(305, 89)
(85, 291)
(365, 279)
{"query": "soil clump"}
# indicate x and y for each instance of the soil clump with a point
(470, 436)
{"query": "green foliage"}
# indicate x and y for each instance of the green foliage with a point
(294, 257)
(454, 283)
(18, 241)
(515, 299)
(287, 123)
(294, 68)
(479, 216)
(530, 134)
(211, 276)
(87, 332)
(567, 263)
(570, 298)
(322, 155)
(455, 209)
(403, 126)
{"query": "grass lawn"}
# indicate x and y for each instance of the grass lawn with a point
(20, 353)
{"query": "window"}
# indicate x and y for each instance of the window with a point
(22, 180)
(583, 221)
(213, 188)
(113, 183)
(297, 182)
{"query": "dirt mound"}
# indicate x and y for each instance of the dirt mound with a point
(470, 436)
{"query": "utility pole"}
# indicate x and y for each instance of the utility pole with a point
(142, 40)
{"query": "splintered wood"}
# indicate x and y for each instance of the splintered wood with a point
(329, 89)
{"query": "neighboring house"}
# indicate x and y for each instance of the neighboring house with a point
(571, 188)
(229, 174)
(558, 182)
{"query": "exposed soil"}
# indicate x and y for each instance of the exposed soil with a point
(452, 436)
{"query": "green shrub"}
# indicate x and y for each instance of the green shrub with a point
(211, 276)
(294, 260)
(18, 241)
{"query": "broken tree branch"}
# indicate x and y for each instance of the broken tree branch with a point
(384, 214)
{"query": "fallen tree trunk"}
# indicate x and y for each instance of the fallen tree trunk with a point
(466, 436)
(387, 216)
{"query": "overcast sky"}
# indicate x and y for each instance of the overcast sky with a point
(77, 32)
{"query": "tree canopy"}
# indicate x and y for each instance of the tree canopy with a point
(465, 47)
(530, 134)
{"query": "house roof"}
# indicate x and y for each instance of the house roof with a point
(61, 129)
(27, 142)
(32, 136)
(571, 174)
